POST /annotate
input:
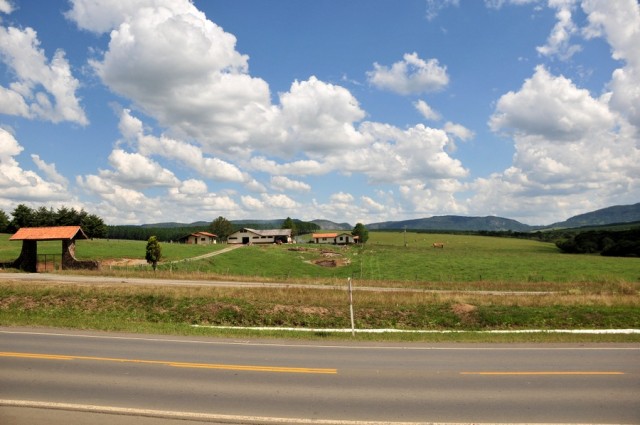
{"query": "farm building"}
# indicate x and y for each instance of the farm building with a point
(199, 238)
(30, 236)
(334, 238)
(248, 236)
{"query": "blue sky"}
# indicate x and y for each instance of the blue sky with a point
(361, 111)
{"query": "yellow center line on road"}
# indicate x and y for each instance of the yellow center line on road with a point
(544, 373)
(247, 368)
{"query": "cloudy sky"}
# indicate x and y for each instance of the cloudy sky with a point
(146, 111)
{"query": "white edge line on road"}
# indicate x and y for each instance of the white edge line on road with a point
(207, 417)
(354, 347)
(515, 331)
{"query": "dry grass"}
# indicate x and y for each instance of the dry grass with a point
(173, 310)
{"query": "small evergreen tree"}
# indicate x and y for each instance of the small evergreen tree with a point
(361, 232)
(154, 252)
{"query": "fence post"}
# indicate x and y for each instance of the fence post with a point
(353, 326)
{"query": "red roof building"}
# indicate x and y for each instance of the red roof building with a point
(30, 236)
(48, 233)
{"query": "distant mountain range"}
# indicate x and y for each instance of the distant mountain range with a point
(330, 225)
(258, 224)
(611, 215)
(454, 222)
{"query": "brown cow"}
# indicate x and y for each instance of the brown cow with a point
(438, 245)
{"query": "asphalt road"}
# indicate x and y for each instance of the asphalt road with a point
(226, 381)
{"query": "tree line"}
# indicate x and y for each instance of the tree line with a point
(221, 227)
(94, 226)
(24, 216)
(623, 243)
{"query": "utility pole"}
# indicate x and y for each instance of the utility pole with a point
(405, 236)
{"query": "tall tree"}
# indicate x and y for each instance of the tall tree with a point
(222, 228)
(361, 232)
(290, 224)
(67, 217)
(93, 226)
(43, 217)
(23, 216)
(154, 252)
(4, 222)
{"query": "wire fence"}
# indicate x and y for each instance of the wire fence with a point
(49, 262)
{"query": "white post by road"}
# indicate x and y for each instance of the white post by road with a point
(353, 326)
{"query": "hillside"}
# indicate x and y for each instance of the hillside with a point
(611, 215)
(455, 222)
(330, 225)
(615, 214)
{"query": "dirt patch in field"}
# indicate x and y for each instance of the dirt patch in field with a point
(309, 310)
(463, 310)
(332, 262)
(332, 259)
(123, 262)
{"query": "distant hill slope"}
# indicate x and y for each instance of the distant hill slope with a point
(171, 225)
(455, 222)
(330, 225)
(610, 215)
(257, 223)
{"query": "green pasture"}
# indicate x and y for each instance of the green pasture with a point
(576, 291)
(385, 258)
(407, 258)
(107, 249)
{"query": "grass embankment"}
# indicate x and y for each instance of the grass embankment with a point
(175, 310)
(590, 292)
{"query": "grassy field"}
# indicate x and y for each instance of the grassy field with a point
(587, 291)
(476, 260)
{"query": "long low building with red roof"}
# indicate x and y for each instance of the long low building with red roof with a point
(334, 238)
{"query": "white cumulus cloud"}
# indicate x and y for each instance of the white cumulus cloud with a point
(283, 183)
(619, 23)
(550, 107)
(49, 170)
(6, 7)
(18, 185)
(559, 41)
(136, 170)
(42, 89)
(319, 117)
(181, 69)
(426, 111)
(411, 75)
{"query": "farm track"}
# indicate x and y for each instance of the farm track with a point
(207, 255)
(102, 280)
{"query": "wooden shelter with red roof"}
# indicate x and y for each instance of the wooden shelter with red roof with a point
(28, 259)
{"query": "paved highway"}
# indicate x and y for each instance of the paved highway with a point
(226, 380)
